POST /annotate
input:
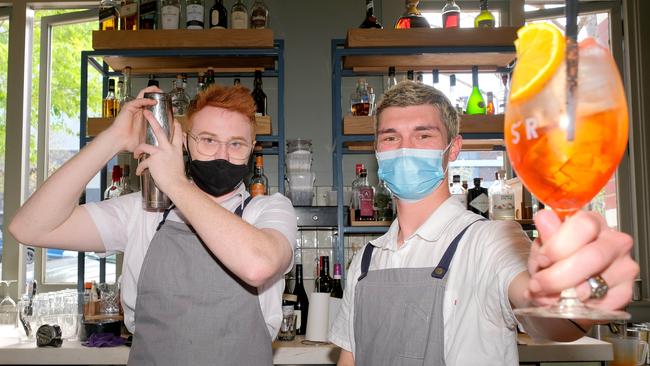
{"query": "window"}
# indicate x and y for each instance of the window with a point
(4, 61)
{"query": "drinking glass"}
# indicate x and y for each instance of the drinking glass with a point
(8, 312)
(564, 160)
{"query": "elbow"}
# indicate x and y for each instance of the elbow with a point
(18, 231)
(258, 274)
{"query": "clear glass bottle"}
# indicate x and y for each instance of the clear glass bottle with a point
(360, 100)
(200, 83)
(258, 95)
(383, 203)
(354, 200)
(370, 21)
(458, 191)
(477, 199)
(371, 99)
(392, 80)
(120, 93)
(109, 15)
(489, 108)
(484, 19)
(502, 199)
(126, 96)
(115, 189)
(451, 15)
(259, 184)
(366, 194)
(475, 103)
(218, 16)
(194, 14)
(125, 180)
(129, 15)
(412, 18)
(170, 14)
(259, 15)
(180, 100)
(239, 16)
(110, 103)
(148, 14)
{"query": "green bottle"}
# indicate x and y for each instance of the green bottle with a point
(476, 103)
(485, 19)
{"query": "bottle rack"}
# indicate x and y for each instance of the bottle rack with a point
(165, 53)
(370, 52)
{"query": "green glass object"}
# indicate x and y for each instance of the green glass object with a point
(475, 103)
(485, 19)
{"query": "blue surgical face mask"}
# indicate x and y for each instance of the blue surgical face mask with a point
(412, 174)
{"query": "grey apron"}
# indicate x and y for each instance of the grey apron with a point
(398, 313)
(191, 310)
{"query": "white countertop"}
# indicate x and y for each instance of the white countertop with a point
(73, 353)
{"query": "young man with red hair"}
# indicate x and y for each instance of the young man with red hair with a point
(202, 282)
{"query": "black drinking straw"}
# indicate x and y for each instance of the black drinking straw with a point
(571, 14)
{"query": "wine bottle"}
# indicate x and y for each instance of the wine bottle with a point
(451, 15)
(194, 14)
(337, 290)
(218, 16)
(475, 103)
(324, 281)
(302, 303)
(485, 19)
(412, 18)
(258, 95)
(371, 19)
(148, 14)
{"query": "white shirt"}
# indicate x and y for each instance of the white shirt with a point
(479, 325)
(125, 227)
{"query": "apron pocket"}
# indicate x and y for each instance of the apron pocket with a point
(414, 332)
(409, 361)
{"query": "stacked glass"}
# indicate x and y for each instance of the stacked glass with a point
(299, 173)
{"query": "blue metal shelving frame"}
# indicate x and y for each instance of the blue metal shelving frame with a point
(338, 52)
(277, 140)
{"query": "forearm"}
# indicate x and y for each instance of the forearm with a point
(254, 255)
(53, 203)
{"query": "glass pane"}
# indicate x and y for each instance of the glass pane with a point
(4, 60)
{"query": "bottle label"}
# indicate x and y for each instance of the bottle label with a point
(170, 16)
(239, 20)
(129, 9)
(503, 206)
(298, 318)
(194, 16)
(366, 202)
(258, 21)
(257, 189)
(481, 203)
(486, 23)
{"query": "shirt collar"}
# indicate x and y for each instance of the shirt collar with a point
(431, 230)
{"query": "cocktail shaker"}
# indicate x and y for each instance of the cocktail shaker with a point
(153, 199)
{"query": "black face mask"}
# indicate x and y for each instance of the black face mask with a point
(216, 177)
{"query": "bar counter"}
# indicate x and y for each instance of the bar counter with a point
(292, 353)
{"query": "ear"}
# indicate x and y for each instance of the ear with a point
(456, 146)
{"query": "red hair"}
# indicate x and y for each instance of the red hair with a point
(233, 98)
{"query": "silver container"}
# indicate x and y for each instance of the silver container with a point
(153, 199)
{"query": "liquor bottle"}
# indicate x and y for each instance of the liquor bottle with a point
(109, 16)
(371, 100)
(110, 103)
(392, 80)
(502, 199)
(200, 83)
(477, 198)
(236, 82)
(302, 304)
(170, 14)
(484, 19)
(419, 77)
(129, 15)
(239, 16)
(383, 203)
(194, 14)
(409, 75)
(258, 95)
(465, 185)
(218, 16)
(324, 281)
(148, 14)
(180, 100)
(354, 200)
(337, 289)
(435, 74)
(457, 191)
(152, 81)
(125, 180)
(115, 189)
(259, 15)
(359, 99)
(412, 18)
(489, 109)
(259, 184)
(453, 98)
(475, 103)
(371, 19)
(366, 198)
(451, 15)
(119, 93)
(126, 96)
(209, 77)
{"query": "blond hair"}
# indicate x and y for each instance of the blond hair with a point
(409, 93)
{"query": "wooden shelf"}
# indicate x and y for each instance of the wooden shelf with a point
(445, 60)
(354, 222)
(365, 125)
(182, 39)
(94, 126)
(141, 66)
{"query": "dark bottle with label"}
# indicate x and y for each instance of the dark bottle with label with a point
(148, 14)
(337, 289)
(302, 303)
(478, 200)
(371, 20)
(258, 95)
(218, 16)
(324, 281)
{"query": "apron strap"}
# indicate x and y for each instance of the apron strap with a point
(239, 211)
(365, 260)
(165, 214)
(441, 269)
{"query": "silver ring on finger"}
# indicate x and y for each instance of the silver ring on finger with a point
(598, 287)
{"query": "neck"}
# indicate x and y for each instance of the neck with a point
(411, 215)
